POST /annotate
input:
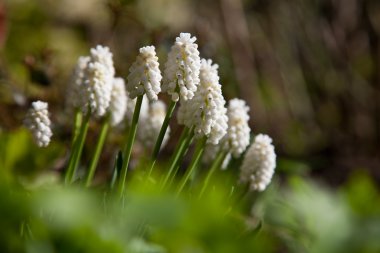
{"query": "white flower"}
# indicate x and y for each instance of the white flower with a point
(181, 75)
(259, 163)
(118, 103)
(75, 90)
(98, 84)
(206, 111)
(150, 124)
(38, 122)
(238, 132)
(144, 75)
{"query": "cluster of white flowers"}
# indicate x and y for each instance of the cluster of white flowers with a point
(181, 75)
(118, 103)
(74, 97)
(206, 111)
(37, 120)
(144, 75)
(238, 132)
(99, 77)
(187, 78)
(259, 163)
(150, 124)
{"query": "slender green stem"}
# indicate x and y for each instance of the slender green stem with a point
(163, 129)
(77, 149)
(129, 144)
(76, 128)
(194, 163)
(178, 153)
(77, 123)
(98, 149)
(216, 164)
(184, 152)
(116, 169)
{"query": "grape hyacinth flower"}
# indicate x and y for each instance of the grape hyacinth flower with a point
(145, 75)
(206, 111)
(150, 124)
(99, 78)
(259, 163)
(75, 91)
(38, 122)
(181, 74)
(181, 79)
(144, 78)
(97, 87)
(238, 132)
(118, 103)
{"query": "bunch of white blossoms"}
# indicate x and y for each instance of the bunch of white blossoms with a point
(259, 163)
(236, 140)
(145, 75)
(206, 111)
(150, 124)
(99, 76)
(75, 92)
(38, 122)
(118, 103)
(181, 74)
(238, 132)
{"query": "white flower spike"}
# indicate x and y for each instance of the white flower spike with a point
(118, 103)
(259, 163)
(181, 75)
(99, 78)
(238, 132)
(38, 122)
(75, 90)
(145, 75)
(150, 124)
(206, 111)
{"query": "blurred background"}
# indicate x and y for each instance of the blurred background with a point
(310, 70)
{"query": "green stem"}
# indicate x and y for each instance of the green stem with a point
(163, 129)
(98, 149)
(128, 146)
(76, 128)
(77, 149)
(184, 152)
(216, 164)
(193, 165)
(179, 151)
(77, 123)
